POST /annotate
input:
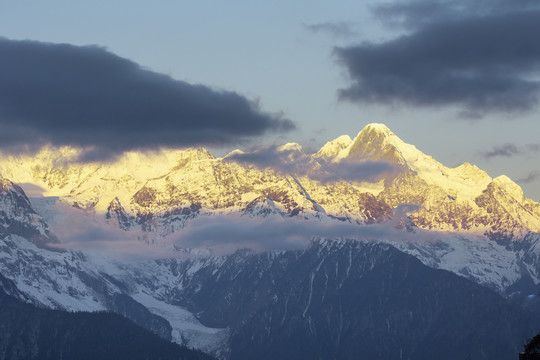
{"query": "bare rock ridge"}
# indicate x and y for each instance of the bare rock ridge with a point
(18, 217)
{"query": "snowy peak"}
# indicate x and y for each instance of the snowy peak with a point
(17, 215)
(468, 171)
(117, 214)
(375, 143)
(12, 195)
(292, 146)
(506, 203)
(332, 148)
(510, 187)
(195, 154)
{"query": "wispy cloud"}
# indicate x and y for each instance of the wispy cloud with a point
(532, 177)
(226, 234)
(533, 148)
(506, 150)
(86, 96)
(216, 234)
(32, 190)
(294, 161)
(336, 29)
(510, 150)
(78, 230)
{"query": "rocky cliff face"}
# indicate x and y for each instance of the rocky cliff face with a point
(18, 217)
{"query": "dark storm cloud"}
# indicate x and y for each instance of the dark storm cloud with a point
(87, 96)
(416, 13)
(411, 14)
(337, 29)
(283, 160)
(294, 161)
(485, 62)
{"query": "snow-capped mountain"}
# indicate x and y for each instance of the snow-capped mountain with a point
(142, 207)
(161, 191)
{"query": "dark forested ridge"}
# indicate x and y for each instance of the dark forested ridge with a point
(28, 332)
(353, 300)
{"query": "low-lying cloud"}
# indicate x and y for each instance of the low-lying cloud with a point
(226, 234)
(294, 161)
(481, 59)
(78, 230)
(86, 96)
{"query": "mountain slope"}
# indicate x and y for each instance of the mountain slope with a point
(28, 332)
(346, 300)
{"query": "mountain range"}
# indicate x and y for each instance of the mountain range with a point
(367, 246)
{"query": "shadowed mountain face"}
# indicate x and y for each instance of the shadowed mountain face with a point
(352, 300)
(28, 332)
(18, 217)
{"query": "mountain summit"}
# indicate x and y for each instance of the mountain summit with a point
(375, 143)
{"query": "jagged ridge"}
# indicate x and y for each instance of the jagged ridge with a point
(161, 191)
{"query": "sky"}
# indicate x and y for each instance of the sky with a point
(458, 79)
